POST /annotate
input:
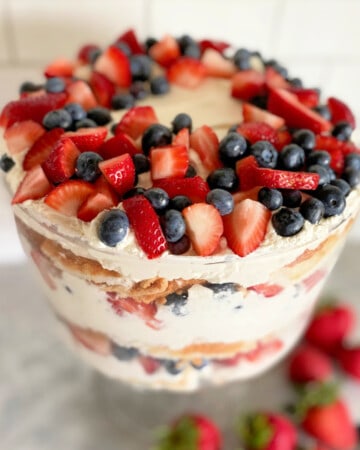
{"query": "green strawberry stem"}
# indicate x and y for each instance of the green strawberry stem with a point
(255, 431)
(183, 435)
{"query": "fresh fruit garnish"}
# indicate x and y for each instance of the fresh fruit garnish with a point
(80, 92)
(247, 84)
(253, 114)
(84, 53)
(307, 363)
(60, 164)
(102, 88)
(195, 188)
(33, 186)
(206, 144)
(118, 145)
(283, 138)
(149, 364)
(169, 162)
(340, 112)
(245, 170)
(41, 148)
(258, 131)
(119, 172)
(348, 358)
(274, 79)
(136, 121)
(87, 139)
(267, 289)
(130, 38)
(92, 340)
(182, 138)
(93, 205)
(219, 46)
(21, 135)
(332, 145)
(308, 97)
(216, 65)
(60, 67)
(186, 72)
(165, 51)
(286, 179)
(115, 65)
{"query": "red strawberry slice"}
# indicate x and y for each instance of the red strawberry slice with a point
(267, 289)
(146, 225)
(206, 144)
(283, 138)
(31, 108)
(115, 65)
(245, 170)
(308, 97)
(296, 115)
(33, 186)
(93, 205)
(149, 364)
(195, 188)
(253, 114)
(283, 179)
(37, 93)
(182, 138)
(87, 139)
(165, 51)
(247, 83)
(349, 360)
(219, 46)
(118, 145)
(119, 172)
(337, 150)
(136, 120)
(85, 51)
(60, 67)
(258, 131)
(130, 38)
(246, 226)
(251, 193)
(216, 65)
(274, 80)
(340, 111)
(169, 162)
(187, 73)
(80, 92)
(21, 136)
(41, 148)
(69, 196)
(307, 364)
(204, 227)
(92, 340)
(102, 87)
(60, 164)
(103, 186)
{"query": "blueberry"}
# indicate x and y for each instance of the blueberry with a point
(134, 191)
(123, 353)
(222, 200)
(224, 178)
(351, 176)
(123, 46)
(221, 290)
(76, 111)
(190, 172)
(180, 247)
(271, 198)
(342, 185)
(292, 157)
(312, 210)
(231, 148)
(291, 198)
(173, 225)
(189, 47)
(138, 90)
(85, 123)
(150, 41)
(141, 163)
(159, 85)
(352, 160)
(323, 111)
(87, 166)
(181, 121)
(287, 222)
(332, 198)
(265, 154)
(233, 128)
(158, 198)
(322, 171)
(93, 55)
(199, 363)
(178, 301)
(280, 69)
(140, 67)
(180, 202)
(320, 157)
(122, 101)
(260, 101)
(6, 163)
(29, 86)
(296, 82)
(331, 173)
(305, 139)
(173, 367)
(155, 136)
(54, 85)
(113, 227)
(342, 131)
(100, 115)
(242, 59)
(57, 118)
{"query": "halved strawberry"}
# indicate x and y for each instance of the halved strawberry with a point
(83, 55)
(165, 51)
(80, 92)
(130, 38)
(136, 120)
(92, 340)
(250, 193)
(219, 46)
(104, 187)
(149, 364)
(93, 205)
(253, 114)
(195, 188)
(296, 115)
(308, 97)
(283, 179)
(41, 148)
(60, 67)
(115, 65)
(267, 289)
(102, 87)
(182, 138)
(36, 93)
(21, 135)
(206, 144)
(216, 65)
(119, 172)
(171, 161)
(61, 162)
(187, 73)
(247, 83)
(33, 186)
(118, 145)
(204, 227)
(245, 170)
(274, 80)
(258, 131)
(283, 138)
(146, 225)
(87, 139)
(337, 150)
(340, 111)
(246, 226)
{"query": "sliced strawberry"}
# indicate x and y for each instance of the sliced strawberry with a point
(119, 172)
(102, 87)
(246, 226)
(69, 196)
(61, 162)
(33, 186)
(308, 97)
(165, 51)
(42, 263)
(171, 161)
(283, 179)
(245, 170)
(187, 73)
(115, 65)
(118, 145)
(60, 67)
(296, 115)
(267, 289)
(87, 139)
(41, 148)
(204, 227)
(216, 65)
(195, 188)
(258, 131)
(251, 193)
(103, 186)
(340, 111)
(149, 364)
(247, 83)
(80, 92)
(21, 135)
(337, 150)
(93, 205)
(92, 340)
(253, 114)
(274, 80)
(219, 46)
(206, 144)
(283, 138)
(85, 51)
(146, 225)
(182, 138)
(36, 93)
(136, 120)
(130, 38)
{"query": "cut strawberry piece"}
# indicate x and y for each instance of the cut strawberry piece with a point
(87, 139)
(258, 131)
(130, 38)
(61, 67)
(274, 80)
(115, 65)
(195, 188)
(267, 289)
(37, 93)
(22, 135)
(308, 97)
(169, 162)
(340, 111)
(187, 73)
(251, 193)
(337, 150)
(296, 115)
(247, 83)
(93, 205)
(165, 51)
(80, 92)
(246, 226)
(253, 114)
(182, 138)
(219, 46)
(69, 196)
(283, 138)
(41, 149)
(118, 145)
(245, 170)
(103, 186)
(60, 164)
(206, 144)
(204, 227)
(216, 65)
(149, 364)
(92, 340)
(119, 172)
(102, 87)
(283, 179)
(136, 120)
(33, 186)
(146, 225)
(85, 51)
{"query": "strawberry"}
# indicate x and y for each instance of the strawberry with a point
(337, 149)
(308, 97)
(119, 172)
(136, 120)
(191, 432)
(283, 138)
(80, 92)
(204, 227)
(92, 340)
(33, 186)
(284, 179)
(242, 195)
(246, 226)
(42, 264)
(149, 364)
(165, 51)
(169, 162)
(296, 115)
(267, 289)
(130, 38)
(186, 72)
(247, 83)
(21, 135)
(69, 196)
(87, 139)
(93, 205)
(349, 360)
(258, 131)
(219, 46)
(118, 145)
(146, 226)
(206, 144)
(231, 361)
(115, 65)
(84, 53)
(253, 114)
(216, 65)
(182, 138)
(274, 80)
(61, 162)
(103, 186)
(340, 111)
(41, 148)
(307, 363)
(245, 170)
(60, 67)
(195, 188)
(102, 88)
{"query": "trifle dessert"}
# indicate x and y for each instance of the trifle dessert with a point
(183, 202)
